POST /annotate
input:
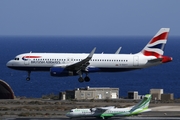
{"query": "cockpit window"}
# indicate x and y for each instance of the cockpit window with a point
(16, 59)
(71, 111)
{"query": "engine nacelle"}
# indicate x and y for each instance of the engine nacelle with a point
(93, 109)
(57, 71)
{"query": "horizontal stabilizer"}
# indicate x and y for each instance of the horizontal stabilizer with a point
(155, 60)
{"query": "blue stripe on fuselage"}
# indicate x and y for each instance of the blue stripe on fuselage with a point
(90, 69)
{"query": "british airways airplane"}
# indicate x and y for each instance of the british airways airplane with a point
(71, 64)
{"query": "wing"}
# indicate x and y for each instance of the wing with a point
(104, 108)
(81, 65)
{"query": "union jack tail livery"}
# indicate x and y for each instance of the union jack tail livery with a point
(156, 45)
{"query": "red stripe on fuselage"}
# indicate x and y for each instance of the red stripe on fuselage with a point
(32, 56)
(162, 36)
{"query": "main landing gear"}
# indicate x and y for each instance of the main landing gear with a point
(28, 77)
(81, 79)
(86, 79)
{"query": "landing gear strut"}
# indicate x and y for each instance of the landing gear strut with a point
(81, 79)
(28, 77)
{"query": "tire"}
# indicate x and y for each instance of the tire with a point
(81, 79)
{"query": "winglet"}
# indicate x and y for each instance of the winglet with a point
(118, 50)
(92, 52)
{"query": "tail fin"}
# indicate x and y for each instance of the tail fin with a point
(156, 45)
(142, 105)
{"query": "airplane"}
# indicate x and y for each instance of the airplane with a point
(72, 64)
(112, 111)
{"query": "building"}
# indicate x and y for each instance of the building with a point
(91, 93)
(133, 95)
(156, 93)
(167, 96)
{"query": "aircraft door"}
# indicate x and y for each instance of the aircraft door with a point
(27, 62)
(136, 60)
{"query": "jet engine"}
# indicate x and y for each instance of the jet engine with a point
(58, 71)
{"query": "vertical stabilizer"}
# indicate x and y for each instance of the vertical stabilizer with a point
(156, 45)
(142, 105)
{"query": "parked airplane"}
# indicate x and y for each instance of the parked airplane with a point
(71, 64)
(111, 111)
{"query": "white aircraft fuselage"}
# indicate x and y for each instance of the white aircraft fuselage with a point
(99, 62)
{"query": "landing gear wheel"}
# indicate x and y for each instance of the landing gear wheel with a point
(87, 79)
(81, 79)
(28, 78)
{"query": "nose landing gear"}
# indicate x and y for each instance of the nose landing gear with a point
(28, 77)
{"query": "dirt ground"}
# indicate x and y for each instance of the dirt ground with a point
(57, 108)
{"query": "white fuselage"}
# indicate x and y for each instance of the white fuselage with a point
(108, 113)
(105, 62)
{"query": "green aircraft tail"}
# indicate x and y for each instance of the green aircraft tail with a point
(142, 106)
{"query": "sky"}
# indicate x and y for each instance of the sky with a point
(88, 17)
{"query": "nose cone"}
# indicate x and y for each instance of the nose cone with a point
(68, 114)
(9, 64)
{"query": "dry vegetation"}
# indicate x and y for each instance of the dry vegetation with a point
(50, 106)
